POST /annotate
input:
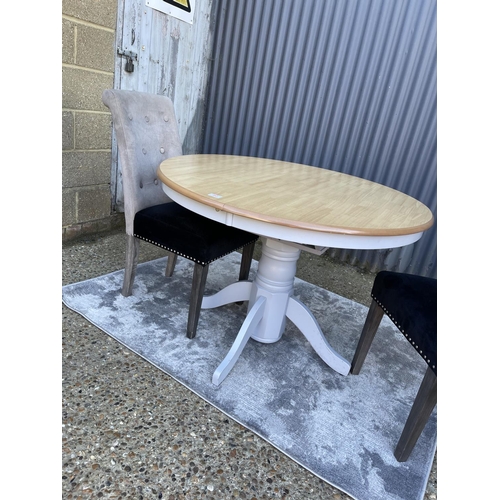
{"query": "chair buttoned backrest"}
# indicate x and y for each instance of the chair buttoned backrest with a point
(146, 134)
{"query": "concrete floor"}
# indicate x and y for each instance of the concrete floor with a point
(130, 431)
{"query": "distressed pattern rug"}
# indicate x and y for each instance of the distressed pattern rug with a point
(341, 428)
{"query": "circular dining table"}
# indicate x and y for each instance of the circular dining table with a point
(292, 207)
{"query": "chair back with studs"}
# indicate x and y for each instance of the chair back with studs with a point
(410, 301)
(146, 134)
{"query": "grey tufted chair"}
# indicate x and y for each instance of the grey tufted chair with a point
(146, 134)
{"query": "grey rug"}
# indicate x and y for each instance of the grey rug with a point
(341, 428)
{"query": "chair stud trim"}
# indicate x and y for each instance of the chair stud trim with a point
(186, 256)
(401, 329)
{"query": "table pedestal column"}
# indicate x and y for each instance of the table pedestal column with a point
(270, 302)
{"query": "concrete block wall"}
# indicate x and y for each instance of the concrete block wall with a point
(88, 32)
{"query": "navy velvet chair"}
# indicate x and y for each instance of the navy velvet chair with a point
(410, 301)
(146, 133)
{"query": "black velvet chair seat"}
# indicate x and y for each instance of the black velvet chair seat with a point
(410, 301)
(188, 234)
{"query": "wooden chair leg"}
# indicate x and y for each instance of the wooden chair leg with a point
(199, 279)
(419, 415)
(171, 261)
(131, 257)
(246, 261)
(373, 319)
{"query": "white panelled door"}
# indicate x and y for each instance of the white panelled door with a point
(159, 53)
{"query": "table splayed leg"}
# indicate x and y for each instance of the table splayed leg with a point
(235, 292)
(300, 315)
(249, 325)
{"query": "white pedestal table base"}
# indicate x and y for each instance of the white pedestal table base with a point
(270, 302)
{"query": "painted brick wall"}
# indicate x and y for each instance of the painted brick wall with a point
(88, 34)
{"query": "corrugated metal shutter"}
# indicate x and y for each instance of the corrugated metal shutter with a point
(348, 85)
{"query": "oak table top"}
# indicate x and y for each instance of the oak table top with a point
(295, 195)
